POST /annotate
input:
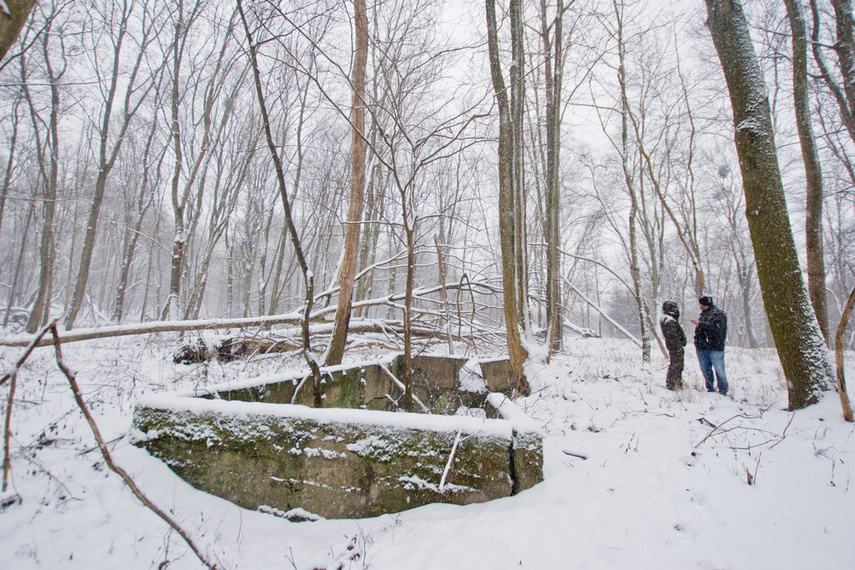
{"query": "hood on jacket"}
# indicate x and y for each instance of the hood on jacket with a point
(671, 309)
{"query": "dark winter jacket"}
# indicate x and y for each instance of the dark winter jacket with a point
(711, 330)
(675, 338)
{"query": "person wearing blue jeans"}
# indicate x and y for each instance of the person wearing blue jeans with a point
(710, 334)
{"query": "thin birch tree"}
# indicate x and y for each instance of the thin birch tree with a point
(813, 170)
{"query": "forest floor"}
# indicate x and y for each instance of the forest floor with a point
(635, 476)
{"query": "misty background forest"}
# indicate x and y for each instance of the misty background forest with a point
(138, 183)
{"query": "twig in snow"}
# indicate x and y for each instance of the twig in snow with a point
(750, 478)
(12, 386)
(571, 454)
(721, 430)
(448, 463)
(109, 460)
(30, 456)
(13, 374)
(784, 433)
(709, 423)
(91, 449)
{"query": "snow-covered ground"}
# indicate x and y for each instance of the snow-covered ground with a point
(635, 476)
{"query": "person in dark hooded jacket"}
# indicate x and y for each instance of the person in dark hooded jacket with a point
(710, 334)
(675, 340)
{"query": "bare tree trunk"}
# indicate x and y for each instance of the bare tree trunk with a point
(180, 197)
(508, 227)
(375, 204)
(279, 283)
(635, 270)
(407, 376)
(221, 209)
(107, 156)
(50, 174)
(801, 348)
(308, 276)
(744, 274)
(144, 202)
(517, 76)
(842, 95)
(14, 286)
(441, 264)
(839, 344)
(553, 52)
(13, 139)
(357, 187)
(813, 171)
(845, 48)
(171, 309)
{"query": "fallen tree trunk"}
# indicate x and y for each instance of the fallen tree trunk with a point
(605, 315)
(358, 325)
(294, 318)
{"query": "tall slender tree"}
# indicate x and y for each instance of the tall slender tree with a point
(347, 272)
(813, 171)
(48, 155)
(551, 34)
(115, 18)
(511, 233)
(635, 269)
(308, 275)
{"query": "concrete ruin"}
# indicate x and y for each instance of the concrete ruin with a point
(258, 445)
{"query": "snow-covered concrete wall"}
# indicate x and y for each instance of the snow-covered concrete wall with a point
(253, 444)
(336, 463)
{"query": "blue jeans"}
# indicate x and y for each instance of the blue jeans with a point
(709, 360)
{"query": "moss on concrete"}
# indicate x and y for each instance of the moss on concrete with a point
(336, 470)
(526, 460)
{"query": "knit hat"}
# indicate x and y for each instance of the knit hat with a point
(706, 301)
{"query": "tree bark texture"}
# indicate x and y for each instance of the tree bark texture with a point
(12, 23)
(813, 171)
(801, 348)
(357, 187)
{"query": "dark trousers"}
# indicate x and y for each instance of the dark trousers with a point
(674, 378)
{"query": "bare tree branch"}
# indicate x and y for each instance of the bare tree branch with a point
(109, 460)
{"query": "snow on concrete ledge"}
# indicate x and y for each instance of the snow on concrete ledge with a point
(335, 462)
